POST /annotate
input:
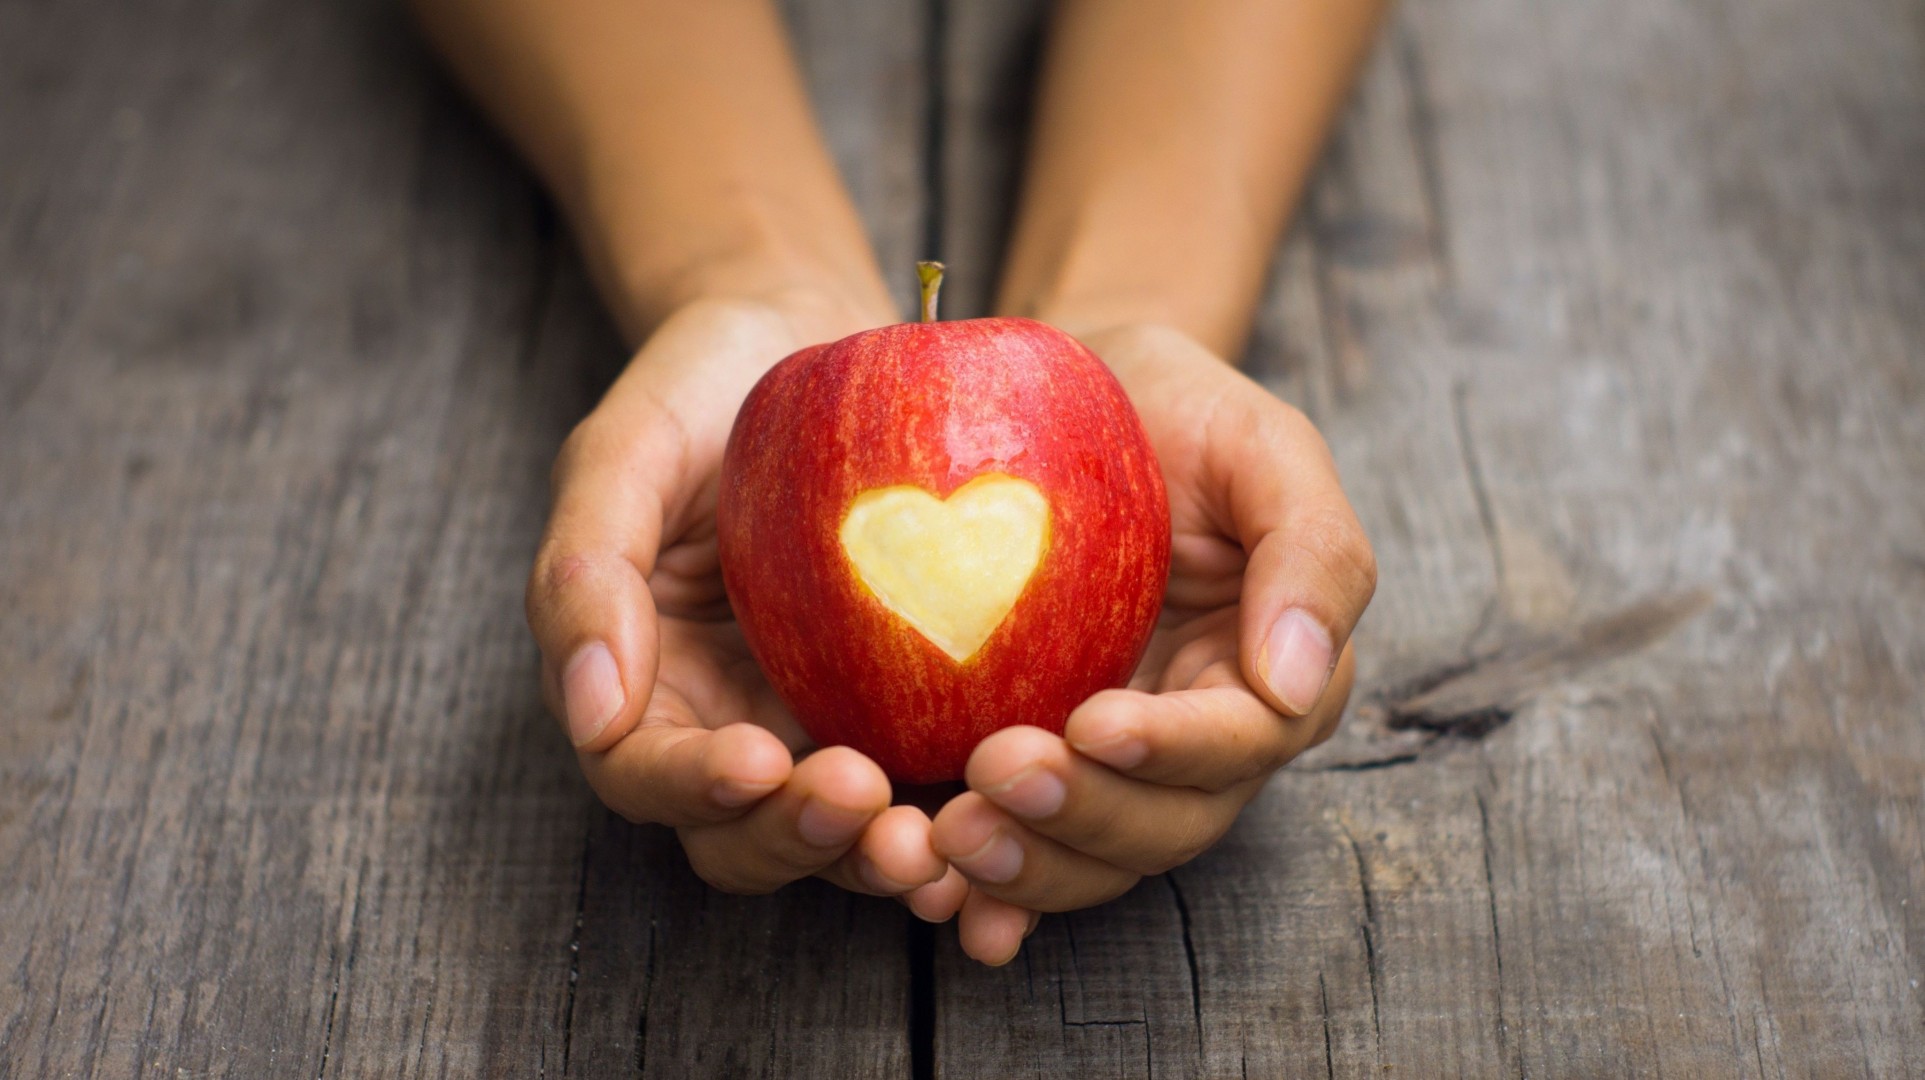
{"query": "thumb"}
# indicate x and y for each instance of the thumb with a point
(1311, 571)
(588, 602)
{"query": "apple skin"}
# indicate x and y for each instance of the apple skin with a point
(935, 405)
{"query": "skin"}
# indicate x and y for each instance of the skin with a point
(1171, 141)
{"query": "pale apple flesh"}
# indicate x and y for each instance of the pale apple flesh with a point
(952, 569)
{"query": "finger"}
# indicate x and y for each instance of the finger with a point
(587, 599)
(1142, 827)
(940, 900)
(1213, 737)
(1311, 570)
(893, 856)
(672, 772)
(1338, 696)
(809, 824)
(991, 930)
(594, 622)
(1001, 857)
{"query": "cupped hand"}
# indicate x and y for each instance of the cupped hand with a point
(671, 719)
(1249, 666)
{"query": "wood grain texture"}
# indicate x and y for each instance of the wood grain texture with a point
(986, 54)
(265, 497)
(670, 979)
(294, 345)
(869, 72)
(1595, 302)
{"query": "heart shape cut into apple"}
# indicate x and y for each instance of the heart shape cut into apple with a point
(952, 568)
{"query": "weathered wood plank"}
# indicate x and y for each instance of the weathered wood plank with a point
(268, 481)
(295, 344)
(1633, 309)
(673, 980)
(1283, 961)
(988, 54)
(872, 81)
(1595, 302)
(677, 980)
(1699, 391)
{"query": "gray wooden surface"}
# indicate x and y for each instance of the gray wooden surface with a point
(1614, 313)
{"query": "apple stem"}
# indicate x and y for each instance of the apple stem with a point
(929, 276)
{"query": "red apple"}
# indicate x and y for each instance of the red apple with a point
(931, 531)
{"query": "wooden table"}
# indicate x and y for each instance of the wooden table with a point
(1614, 312)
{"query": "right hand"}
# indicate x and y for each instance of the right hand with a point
(646, 668)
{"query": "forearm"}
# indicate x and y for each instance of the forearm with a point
(1172, 139)
(678, 138)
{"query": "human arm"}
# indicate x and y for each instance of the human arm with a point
(677, 139)
(1171, 140)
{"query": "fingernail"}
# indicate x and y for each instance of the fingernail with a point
(1297, 660)
(829, 826)
(591, 691)
(998, 861)
(1111, 740)
(734, 793)
(1035, 792)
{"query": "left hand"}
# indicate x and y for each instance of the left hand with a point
(671, 719)
(1249, 666)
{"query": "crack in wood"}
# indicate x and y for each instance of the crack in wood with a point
(327, 1035)
(1029, 974)
(1497, 939)
(427, 1013)
(1062, 997)
(648, 986)
(1695, 836)
(1329, 1055)
(147, 1023)
(1671, 781)
(347, 968)
(922, 998)
(1468, 700)
(1473, 703)
(1189, 955)
(1372, 764)
(1370, 943)
(575, 952)
(1758, 1049)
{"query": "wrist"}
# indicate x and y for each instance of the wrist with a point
(1114, 335)
(699, 361)
(1126, 308)
(795, 257)
(816, 308)
(1109, 264)
(818, 302)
